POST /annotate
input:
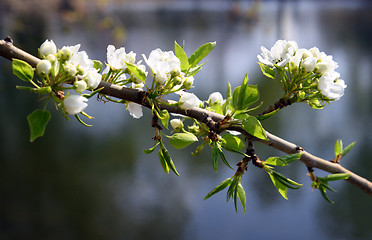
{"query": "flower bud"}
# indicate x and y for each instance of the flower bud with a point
(188, 82)
(93, 79)
(188, 100)
(214, 98)
(309, 64)
(80, 86)
(70, 69)
(176, 124)
(74, 104)
(48, 47)
(43, 67)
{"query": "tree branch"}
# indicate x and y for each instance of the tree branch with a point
(9, 51)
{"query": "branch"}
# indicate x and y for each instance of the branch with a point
(9, 51)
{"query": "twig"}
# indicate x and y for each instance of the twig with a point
(9, 51)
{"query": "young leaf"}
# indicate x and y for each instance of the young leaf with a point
(215, 153)
(163, 162)
(97, 65)
(164, 117)
(337, 176)
(150, 150)
(267, 71)
(194, 70)
(232, 143)
(241, 195)
(201, 53)
(322, 190)
(276, 161)
(181, 140)
(281, 188)
(291, 157)
(22, 70)
(222, 155)
(254, 127)
(348, 148)
(136, 71)
(225, 183)
(286, 181)
(267, 115)
(181, 55)
(37, 122)
(338, 147)
(167, 158)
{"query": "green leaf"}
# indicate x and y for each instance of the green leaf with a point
(254, 127)
(201, 53)
(348, 148)
(267, 115)
(97, 65)
(163, 162)
(215, 153)
(194, 70)
(267, 71)
(337, 176)
(241, 195)
(286, 181)
(276, 161)
(281, 188)
(244, 95)
(222, 155)
(199, 149)
(164, 117)
(167, 158)
(291, 157)
(181, 140)
(338, 147)
(37, 122)
(181, 55)
(225, 183)
(22, 70)
(232, 143)
(136, 71)
(323, 192)
(150, 150)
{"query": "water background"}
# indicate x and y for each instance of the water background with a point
(96, 183)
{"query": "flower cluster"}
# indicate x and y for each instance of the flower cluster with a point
(307, 74)
(68, 64)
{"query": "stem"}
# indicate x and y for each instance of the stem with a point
(281, 103)
(7, 50)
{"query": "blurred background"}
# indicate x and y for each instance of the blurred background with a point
(96, 183)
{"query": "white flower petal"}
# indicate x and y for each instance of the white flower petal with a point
(135, 110)
(74, 104)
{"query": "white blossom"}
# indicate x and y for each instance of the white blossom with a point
(74, 104)
(43, 67)
(47, 48)
(331, 86)
(67, 51)
(163, 64)
(80, 86)
(215, 97)
(309, 64)
(135, 110)
(116, 58)
(280, 54)
(93, 79)
(176, 124)
(188, 100)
